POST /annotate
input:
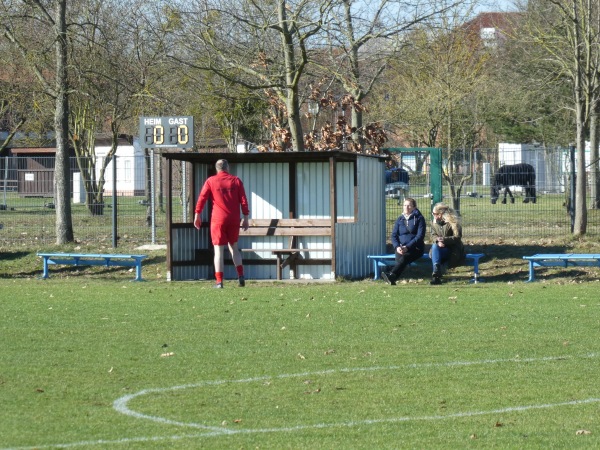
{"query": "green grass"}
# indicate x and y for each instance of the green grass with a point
(361, 364)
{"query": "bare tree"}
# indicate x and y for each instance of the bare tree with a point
(260, 45)
(436, 94)
(22, 24)
(112, 77)
(363, 36)
(567, 34)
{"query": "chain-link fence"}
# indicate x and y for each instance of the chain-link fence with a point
(132, 216)
(111, 203)
(468, 182)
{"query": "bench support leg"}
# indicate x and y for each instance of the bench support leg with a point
(531, 272)
(476, 278)
(45, 273)
(376, 269)
(278, 270)
(138, 271)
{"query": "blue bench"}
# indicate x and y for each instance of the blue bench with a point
(86, 259)
(560, 260)
(382, 261)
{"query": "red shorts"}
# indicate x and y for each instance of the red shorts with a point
(225, 233)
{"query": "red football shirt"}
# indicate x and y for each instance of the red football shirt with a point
(227, 194)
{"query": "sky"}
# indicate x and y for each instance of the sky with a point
(495, 6)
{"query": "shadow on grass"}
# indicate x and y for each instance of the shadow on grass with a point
(505, 263)
(11, 256)
(511, 251)
(18, 264)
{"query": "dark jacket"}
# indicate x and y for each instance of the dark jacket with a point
(452, 240)
(410, 232)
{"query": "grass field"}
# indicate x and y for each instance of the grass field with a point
(93, 360)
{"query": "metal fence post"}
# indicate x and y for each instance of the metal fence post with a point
(184, 191)
(114, 202)
(572, 193)
(152, 200)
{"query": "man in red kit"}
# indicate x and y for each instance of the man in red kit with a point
(227, 194)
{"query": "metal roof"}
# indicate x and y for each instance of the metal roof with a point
(274, 157)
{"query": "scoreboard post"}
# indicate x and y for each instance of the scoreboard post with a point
(171, 131)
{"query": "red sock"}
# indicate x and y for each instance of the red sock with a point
(219, 277)
(240, 270)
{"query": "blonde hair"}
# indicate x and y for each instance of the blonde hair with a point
(448, 215)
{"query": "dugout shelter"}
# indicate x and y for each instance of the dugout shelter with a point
(327, 209)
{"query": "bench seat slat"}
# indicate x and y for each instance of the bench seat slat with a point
(292, 231)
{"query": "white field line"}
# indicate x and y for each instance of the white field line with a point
(120, 405)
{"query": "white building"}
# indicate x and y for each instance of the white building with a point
(131, 166)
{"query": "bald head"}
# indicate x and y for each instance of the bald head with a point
(222, 165)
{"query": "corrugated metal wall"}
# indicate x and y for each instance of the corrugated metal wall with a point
(367, 235)
(185, 241)
(268, 188)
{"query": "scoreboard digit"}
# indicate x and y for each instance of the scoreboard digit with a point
(156, 132)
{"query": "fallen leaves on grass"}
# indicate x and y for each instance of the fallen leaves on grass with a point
(316, 391)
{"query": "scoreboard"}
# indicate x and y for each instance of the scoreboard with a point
(158, 132)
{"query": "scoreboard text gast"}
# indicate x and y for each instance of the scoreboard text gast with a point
(176, 131)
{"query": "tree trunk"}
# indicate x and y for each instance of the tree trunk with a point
(291, 79)
(64, 225)
(357, 124)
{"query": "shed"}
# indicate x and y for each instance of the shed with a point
(329, 205)
(33, 168)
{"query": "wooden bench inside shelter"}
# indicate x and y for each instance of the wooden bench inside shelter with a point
(294, 229)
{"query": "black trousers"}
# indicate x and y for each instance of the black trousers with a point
(404, 260)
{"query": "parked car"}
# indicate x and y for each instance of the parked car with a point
(396, 183)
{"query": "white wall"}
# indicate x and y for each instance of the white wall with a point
(131, 173)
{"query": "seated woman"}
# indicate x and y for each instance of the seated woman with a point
(446, 235)
(408, 239)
